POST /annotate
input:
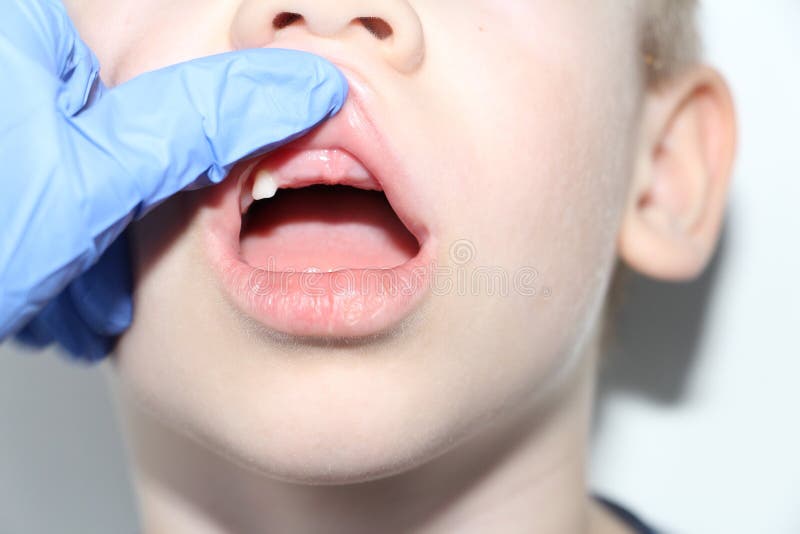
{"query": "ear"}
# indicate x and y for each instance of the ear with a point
(681, 176)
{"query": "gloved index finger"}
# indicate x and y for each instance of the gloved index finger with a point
(156, 134)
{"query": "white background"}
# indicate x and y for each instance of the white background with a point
(698, 426)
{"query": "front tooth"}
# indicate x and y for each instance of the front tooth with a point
(264, 185)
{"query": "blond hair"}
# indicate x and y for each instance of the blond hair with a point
(669, 38)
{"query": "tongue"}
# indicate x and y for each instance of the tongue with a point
(325, 228)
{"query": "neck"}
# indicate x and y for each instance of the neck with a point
(525, 474)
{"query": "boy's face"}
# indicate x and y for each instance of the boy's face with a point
(514, 124)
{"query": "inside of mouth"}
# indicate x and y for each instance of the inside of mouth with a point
(325, 228)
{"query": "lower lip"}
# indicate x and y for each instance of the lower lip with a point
(349, 303)
(341, 304)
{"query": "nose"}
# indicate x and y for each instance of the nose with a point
(390, 28)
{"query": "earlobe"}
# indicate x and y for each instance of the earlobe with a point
(681, 176)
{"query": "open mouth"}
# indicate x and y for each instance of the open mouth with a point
(323, 237)
(319, 211)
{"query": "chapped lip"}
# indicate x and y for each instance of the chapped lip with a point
(317, 304)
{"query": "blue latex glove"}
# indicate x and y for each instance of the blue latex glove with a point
(80, 162)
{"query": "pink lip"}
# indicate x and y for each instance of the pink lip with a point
(345, 303)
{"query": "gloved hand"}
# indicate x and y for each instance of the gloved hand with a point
(79, 162)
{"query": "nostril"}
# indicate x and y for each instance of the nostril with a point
(377, 27)
(374, 25)
(284, 19)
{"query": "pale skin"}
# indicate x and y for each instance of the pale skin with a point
(475, 416)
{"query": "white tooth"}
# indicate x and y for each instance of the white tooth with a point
(264, 185)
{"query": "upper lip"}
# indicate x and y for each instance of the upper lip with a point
(354, 131)
(291, 168)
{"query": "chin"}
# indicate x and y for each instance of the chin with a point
(331, 458)
(328, 417)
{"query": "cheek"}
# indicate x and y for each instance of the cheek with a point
(537, 137)
(134, 36)
(165, 291)
(539, 150)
